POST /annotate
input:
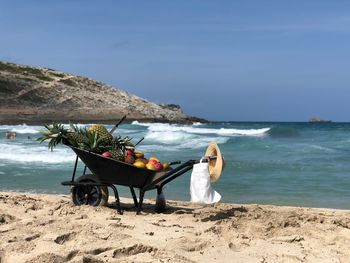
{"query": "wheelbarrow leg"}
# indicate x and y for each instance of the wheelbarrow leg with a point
(139, 207)
(160, 201)
(133, 196)
(117, 200)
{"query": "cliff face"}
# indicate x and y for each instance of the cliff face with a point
(38, 95)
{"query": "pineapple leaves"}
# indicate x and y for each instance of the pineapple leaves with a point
(94, 139)
(55, 133)
(94, 143)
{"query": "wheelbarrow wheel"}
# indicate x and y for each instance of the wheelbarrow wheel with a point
(87, 194)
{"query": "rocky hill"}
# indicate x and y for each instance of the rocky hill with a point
(39, 95)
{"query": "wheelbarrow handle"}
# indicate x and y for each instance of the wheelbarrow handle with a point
(116, 126)
(139, 141)
(175, 162)
(209, 158)
(206, 159)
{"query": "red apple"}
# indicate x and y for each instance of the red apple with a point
(130, 152)
(153, 160)
(158, 166)
(106, 154)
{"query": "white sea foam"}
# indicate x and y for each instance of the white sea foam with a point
(22, 153)
(161, 127)
(140, 123)
(194, 143)
(188, 136)
(197, 124)
(201, 142)
(30, 129)
(180, 140)
(168, 137)
(22, 129)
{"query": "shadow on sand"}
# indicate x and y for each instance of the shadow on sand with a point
(149, 208)
(225, 214)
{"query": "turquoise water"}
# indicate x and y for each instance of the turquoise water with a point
(297, 164)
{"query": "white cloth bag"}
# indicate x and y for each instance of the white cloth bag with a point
(201, 190)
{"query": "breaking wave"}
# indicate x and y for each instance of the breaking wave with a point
(169, 137)
(180, 140)
(40, 154)
(29, 129)
(161, 127)
(160, 144)
(21, 129)
(197, 124)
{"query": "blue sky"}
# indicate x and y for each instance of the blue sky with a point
(220, 60)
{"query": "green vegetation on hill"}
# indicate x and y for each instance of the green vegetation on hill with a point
(24, 70)
(68, 82)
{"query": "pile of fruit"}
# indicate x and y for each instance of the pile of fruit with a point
(97, 139)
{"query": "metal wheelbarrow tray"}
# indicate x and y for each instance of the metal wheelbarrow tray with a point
(107, 172)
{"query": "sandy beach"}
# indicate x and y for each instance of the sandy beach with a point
(48, 228)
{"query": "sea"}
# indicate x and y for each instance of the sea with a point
(293, 164)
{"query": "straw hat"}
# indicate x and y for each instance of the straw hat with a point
(215, 166)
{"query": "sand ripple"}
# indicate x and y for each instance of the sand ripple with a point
(48, 228)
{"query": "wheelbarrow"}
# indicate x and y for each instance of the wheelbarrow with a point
(92, 189)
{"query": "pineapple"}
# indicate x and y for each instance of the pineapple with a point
(119, 147)
(76, 138)
(94, 143)
(117, 154)
(122, 143)
(102, 132)
(76, 135)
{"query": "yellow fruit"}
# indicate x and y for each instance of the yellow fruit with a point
(166, 166)
(143, 160)
(139, 164)
(150, 166)
(139, 154)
